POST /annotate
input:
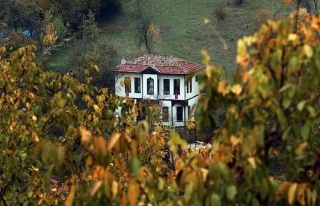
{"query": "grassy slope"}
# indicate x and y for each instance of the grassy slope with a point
(182, 32)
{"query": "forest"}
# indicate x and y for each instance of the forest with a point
(61, 142)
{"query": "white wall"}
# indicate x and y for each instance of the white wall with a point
(171, 79)
(195, 87)
(120, 89)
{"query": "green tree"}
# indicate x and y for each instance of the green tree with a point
(88, 26)
(41, 113)
(54, 124)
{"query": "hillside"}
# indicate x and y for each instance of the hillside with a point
(182, 29)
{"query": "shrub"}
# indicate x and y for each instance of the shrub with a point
(63, 30)
(88, 26)
(220, 13)
(261, 17)
(100, 53)
(238, 2)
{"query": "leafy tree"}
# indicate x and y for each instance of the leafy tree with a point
(54, 124)
(41, 113)
(88, 26)
(101, 53)
(148, 32)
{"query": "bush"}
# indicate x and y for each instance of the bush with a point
(101, 53)
(88, 26)
(261, 17)
(238, 2)
(17, 40)
(63, 30)
(220, 13)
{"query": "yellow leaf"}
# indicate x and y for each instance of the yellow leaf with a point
(236, 89)
(34, 117)
(133, 192)
(291, 193)
(301, 148)
(85, 135)
(252, 162)
(222, 86)
(205, 173)
(114, 188)
(28, 105)
(35, 168)
(308, 51)
(244, 76)
(235, 140)
(70, 197)
(96, 108)
(292, 37)
(113, 140)
(95, 187)
(287, 1)
(35, 137)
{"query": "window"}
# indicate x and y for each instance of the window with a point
(196, 78)
(150, 86)
(190, 87)
(137, 85)
(165, 114)
(179, 114)
(166, 86)
(177, 86)
(127, 84)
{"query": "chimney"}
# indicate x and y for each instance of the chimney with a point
(123, 60)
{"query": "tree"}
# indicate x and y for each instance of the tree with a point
(39, 129)
(101, 53)
(148, 32)
(265, 153)
(88, 26)
(315, 5)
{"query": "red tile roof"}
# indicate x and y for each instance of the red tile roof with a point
(160, 64)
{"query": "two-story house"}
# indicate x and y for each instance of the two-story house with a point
(164, 79)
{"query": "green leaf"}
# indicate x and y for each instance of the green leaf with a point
(305, 130)
(301, 105)
(215, 200)
(231, 192)
(312, 111)
(255, 202)
(286, 102)
(293, 62)
(135, 166)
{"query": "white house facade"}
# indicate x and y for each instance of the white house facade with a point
(163, 79)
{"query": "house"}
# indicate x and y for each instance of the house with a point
(162, 79)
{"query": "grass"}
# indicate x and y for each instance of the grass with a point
(182, 31)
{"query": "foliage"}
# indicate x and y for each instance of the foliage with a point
(54, 124)
(88, 26)
(238, 2)
(41, 113)
(270, 112)
(300, 14)
(148, 33)
(220, 13)
(49, 34)
(261, 17)
(14, 41)
(101, 53)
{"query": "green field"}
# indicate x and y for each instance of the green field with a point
(182, 30)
